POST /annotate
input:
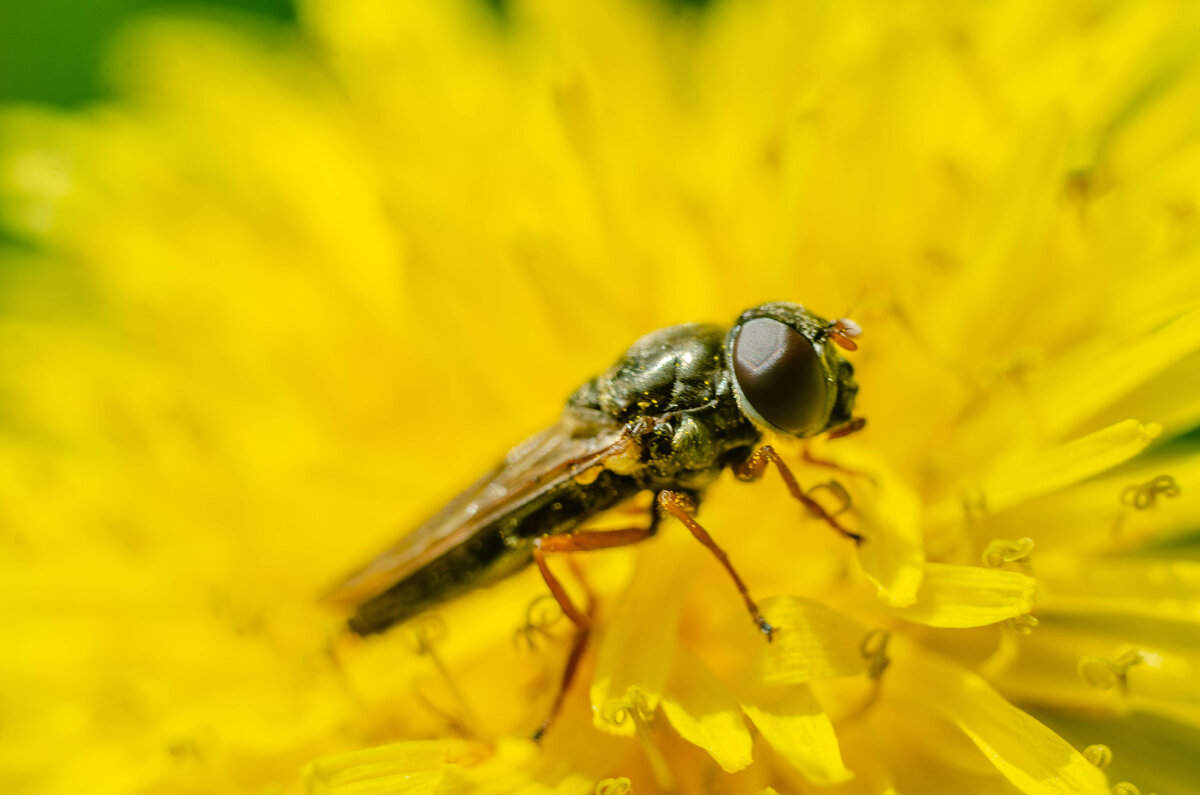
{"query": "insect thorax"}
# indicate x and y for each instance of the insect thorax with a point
(677, 379)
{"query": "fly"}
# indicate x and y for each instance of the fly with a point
(677, 408)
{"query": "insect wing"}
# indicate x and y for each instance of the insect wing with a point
(562, 451)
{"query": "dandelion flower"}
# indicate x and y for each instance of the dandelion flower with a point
(275, 302)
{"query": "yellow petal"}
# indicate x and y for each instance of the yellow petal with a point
(810, 642)
(1035, 759)
(1162, 397)
(862, 751)
(706, 714)
(969, 596)
(1072, 391)
(791, 720)
(1104, 512)
(892, 552)
(1164, 589)
(410, 768)
(637, 642)
(1032, 475)
(1157, 754)
(1166, 684)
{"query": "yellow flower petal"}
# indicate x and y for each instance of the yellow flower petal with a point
(637, 642)
(706, 714)
(1072, 391)
(249, 338)
(888, 511)
(1139, 501)
(811, 642)
(410, 768)
(969, 596)
(1166, 684)
(1159, 755)
(1151, 588)
(791, 720)
(1036, 760)
(1034, 474)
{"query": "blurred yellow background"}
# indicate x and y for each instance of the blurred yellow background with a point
(278, 283)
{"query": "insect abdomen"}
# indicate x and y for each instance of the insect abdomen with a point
(484, 558)
(498, 550)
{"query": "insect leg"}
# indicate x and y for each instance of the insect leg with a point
(681, 507)
(583, 541)
(753, 468)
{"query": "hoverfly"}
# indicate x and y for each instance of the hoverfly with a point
(678, 407)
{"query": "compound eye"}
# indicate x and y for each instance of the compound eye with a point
(780, 376)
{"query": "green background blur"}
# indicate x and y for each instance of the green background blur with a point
(52, 51)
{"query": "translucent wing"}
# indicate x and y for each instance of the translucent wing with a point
(564, 450)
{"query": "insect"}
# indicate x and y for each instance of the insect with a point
(677, 408)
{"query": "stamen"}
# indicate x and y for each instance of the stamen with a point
(1022, 624)
(1099, 755)
(426, 633)
(1143, 496)
(838, 491)
(1105, 674)
(454, 723)
(1125, 788)
(617, 711)
(635, 708)
(614, 786)
(974, 503)
(874, 650)
(1001, 551)
(542, 613)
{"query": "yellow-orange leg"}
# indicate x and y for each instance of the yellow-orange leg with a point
(753, 468)
(681, 507)
(582, 541)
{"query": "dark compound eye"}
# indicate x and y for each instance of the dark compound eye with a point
(780, 376)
